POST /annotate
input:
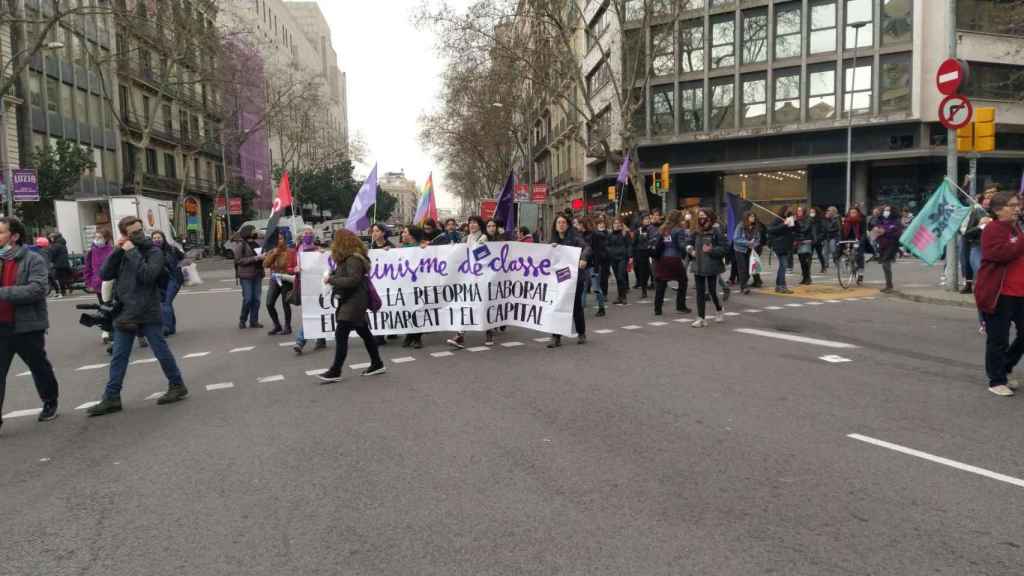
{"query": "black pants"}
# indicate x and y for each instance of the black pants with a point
(1000, 355)
(642, 268)
(819, 249)
(273, 293)
(742, 266)
(707, 285)
(619, 268)
(734, 273)
(604, 271)
(887, 269)
(805, 267)
(579, 321)
(661, 286)
(341, 343)
(31, 348)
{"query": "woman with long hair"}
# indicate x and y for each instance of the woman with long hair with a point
(744, 241)
(474, 238)
(669, 264)
(281, 264)
(173, 257)
(642, 255)
(564, 235)
(707, 246)
(351, 293)
(307, 243)
(379, 237)
(888, 230)
(783, 234)
(620, 243)
(804, 243)
(596, 237)
(855, 229)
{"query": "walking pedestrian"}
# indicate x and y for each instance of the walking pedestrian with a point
(999, 292)
(24, 319)
(744, 239)
(564, 235)
(350, 284)
(60, 264)
(102, 247)
(474, 239)
(782, 233)
(135, 267)
(819, 235)
(642, 255)
(307, 244)
(976, 222)
(830, 230)
(413, 236)
(281, 264)
(889, 228)
(249, 271)
(854, 229)
(804, 244)
(620, 247)
(596, 236)
(707, 246)
(669, 266)
(175, 279)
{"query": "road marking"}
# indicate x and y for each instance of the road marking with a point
(852, 299)
(403, 359)
(604, 331)
(631, 327)
(92, 367)
(732, 313)
(268, 379)
(657, 323)
(195, 355)
(25, 373)
(23, 413)
(773, 307)
(813, 303)
(285, 344)
(87, 405)
(869, 298)
(316, 372)
(939, 460)
(223, 386)
(154, 395)
(444, 354)
(541, 340)
(243, 349)
(795, 338)
(832, 358)
(479, 348)
(833, 301)
(682, 320)
(511, 344)
(361, 366)
(643, 301)
(229, 280)
(144, 361)
(794, 305)
(752, 311)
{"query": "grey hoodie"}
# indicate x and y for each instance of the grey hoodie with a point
(29, 292)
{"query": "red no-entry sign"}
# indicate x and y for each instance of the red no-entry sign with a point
(951, 75)
(955, 112)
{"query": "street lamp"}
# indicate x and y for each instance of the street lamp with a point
(8, 184)
(849, 127)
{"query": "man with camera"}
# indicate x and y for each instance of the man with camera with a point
(24, 281)
(136, 267)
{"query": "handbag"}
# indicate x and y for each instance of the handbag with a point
(191, 273)
(374, 303)
(755, 264)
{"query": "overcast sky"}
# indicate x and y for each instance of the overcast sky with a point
(393, 77)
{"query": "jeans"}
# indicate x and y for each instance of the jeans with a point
(167, 306)
(620, 268)
(341, 344)
(31, 347)
(707, 285)
(300, 340)
(780, 276)
(1000, 355)
(595, 285)
(123, 342)
(975, 258)
(743, 268)
(252, 289)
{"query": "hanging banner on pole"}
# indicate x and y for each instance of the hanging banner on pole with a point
(454, 289)
(540, 193)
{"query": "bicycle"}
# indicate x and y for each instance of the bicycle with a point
(846, 260)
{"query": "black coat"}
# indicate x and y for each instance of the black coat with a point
(642, 242)
(598, 241)
(781, 237)
(59, 256)
(136, 275)
(572, 238)
(708, 263)
(173, 257)
(620, 246)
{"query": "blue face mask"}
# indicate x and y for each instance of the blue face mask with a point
(5, 249)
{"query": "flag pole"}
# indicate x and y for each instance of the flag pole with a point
(965, 194)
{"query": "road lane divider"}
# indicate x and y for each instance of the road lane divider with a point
(795, 338)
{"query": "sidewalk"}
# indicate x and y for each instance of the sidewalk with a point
(936, 295)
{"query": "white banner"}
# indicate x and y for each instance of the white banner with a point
(453, 289)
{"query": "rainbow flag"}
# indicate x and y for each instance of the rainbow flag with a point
(427, 207)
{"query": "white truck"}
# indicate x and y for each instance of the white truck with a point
(77, 220)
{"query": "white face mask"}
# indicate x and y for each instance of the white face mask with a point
(98, 242)
(813, 214)
(886, 214)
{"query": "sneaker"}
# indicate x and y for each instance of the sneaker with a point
(699, 323)
(1012, 383)
(297, 349)
(489, 341)
(320, 344)
(417, 343)
(581, 339)
(106, 406)
(286, 332)
(720, 317)
(725, 294)
(556, 341)
(256, 325)
(600, 312)
(175, 393)
(49, 411)
(783, 291)
(330, 376)
(374, 370)
(459, 341)
(277, 330)
(242, 325)
(1001, 390)
(407, 342)
(684, 310)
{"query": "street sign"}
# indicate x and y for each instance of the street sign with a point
(951, 75)
(540, 193)
(26, 185)
(488, 208)
(522, 193)
(955, 112)
(236, 205)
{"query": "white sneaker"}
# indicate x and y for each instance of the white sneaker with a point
(1001, 390)
(720, 317)
(1013, 383)
(699, 323)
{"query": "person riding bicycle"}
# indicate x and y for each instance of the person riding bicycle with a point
(855, 230)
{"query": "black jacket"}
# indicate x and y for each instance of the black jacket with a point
(59, 255)
(572, 238)
(173, 257)
(708, 263)
(619, 246)
(805, 229)
(136, 275)
(972, 235)
(598, 241)
(642, 242)
(781, 237)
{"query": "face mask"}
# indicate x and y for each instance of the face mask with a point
(886, 214)
(137, 238)
(5, 249)
(98, 242)
(158, 243)
(813, 214)
(307, 240)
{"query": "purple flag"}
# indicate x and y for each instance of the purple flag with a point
(505, 212)
(359, 215)
(624, 171)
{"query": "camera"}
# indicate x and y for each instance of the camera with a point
(102, 315)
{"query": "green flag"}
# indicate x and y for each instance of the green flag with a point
(935, 225)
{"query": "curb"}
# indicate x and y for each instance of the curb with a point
(931, 300)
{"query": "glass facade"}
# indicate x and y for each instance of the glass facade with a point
(995, 81)
(755, 36)
(898, 21)
(755, 100)
(722, 104)
(663, 110)
(991, 16)
(691, 46)
(691, 106)
(822, 27)
(723, 37)
(787, 96)
(788, 39)
(857, 12)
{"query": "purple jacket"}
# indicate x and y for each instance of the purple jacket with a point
(94, 260)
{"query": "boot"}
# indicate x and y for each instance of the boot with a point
(175, 393)
(600, 311)
(106, 406)
(556, 341)
(643, 292)
(968, 287)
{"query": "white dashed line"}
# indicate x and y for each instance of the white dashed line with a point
(25, 373)
(223, 386)
(479, 348)
(195, 355)
(87, 405)
(443, 354)
(286, 344)
(144, 361)
(604, 331)
(833, 301)
(243, 349)
(316, 372)
(814, 303)
(643, 301)
(511, 344)
(92, 367)
(795, 338)
(268, 379)
(833, 359)
(752, 311)
(403, 360)
(794, 305)
(683, 320)
(360, 366)
(631, 327)
(869, 298)
(773, 307)
(23, 413)
(732, 313)
(657, 323)
(541, 340)
(154, 395)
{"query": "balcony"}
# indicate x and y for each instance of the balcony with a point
(201, 186)
(158, 183)
(212, 148)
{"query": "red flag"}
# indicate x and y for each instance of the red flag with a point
(284, 194)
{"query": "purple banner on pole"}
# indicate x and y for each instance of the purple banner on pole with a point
(26, 185)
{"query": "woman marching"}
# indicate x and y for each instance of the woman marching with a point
(281, 264)
(352, 294)
(669, 264)
(854, 229)
(888, 231)
(620, 243)
(642, 255)
(564, 235)
(707, 247)
(173, 257)
(307, 243)
(102, 247)
(804, 243)
(476, 237)
(745, 239)
(783, 234)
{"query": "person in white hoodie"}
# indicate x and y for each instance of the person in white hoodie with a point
(474, 238)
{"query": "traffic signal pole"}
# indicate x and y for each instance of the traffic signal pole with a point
(952, 265)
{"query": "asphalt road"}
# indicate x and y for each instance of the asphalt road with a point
(654, 449)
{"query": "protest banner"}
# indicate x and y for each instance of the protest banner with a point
(454, 288)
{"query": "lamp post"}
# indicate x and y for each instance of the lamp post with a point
(8, 185)
(849, 127)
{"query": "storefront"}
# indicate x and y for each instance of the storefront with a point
(193, 220)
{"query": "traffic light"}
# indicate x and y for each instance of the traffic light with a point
(965, 138)
(664, 177)
(984, 130)
(611, 193)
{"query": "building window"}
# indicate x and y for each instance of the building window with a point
(755, 100)
(598, 78)
(894, 83)
(634, 10)
(691, 106)
(598, 130)
(599, 25)
(167, 118)
(821, 93)
(857, 86)
(823, 27)
(995, 81)
(635, 58)
(992, 16)
(691, 46)
(787, 97)
(66, 107)
(35, 91)
(755, 36)
(859, 11)
(898, 21)
(723, 37)
(639, 105)
(722, 3)
(691, 5)
(722, 104)
(52, 95)
(663, 110)
(170, 168)
(145, 110)
(662, 53)
(787, 30)
(151, 161)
